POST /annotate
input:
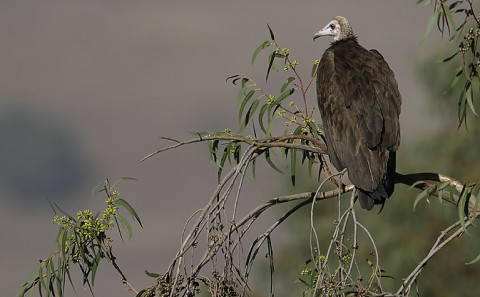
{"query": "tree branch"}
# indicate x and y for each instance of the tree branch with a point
(278, 142)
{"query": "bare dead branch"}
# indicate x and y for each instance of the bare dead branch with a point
(437, 246)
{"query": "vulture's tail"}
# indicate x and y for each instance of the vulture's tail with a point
(384, 189)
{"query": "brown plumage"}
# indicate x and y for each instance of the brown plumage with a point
(359, 102)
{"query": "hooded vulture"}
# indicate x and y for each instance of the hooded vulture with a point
(359, 103)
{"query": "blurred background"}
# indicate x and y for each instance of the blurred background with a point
(87, 88)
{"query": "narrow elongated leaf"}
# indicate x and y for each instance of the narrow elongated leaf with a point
(244, 103)
(129, 208)
(226, 153)
(251, 111)
(212, 147)
(469, 98)
(234, 78)
(270, 162)
(151, 274)
(63, 243)
(271, 32)
(457, 78)
(285, 85)
(297, 131)
(241, 95)
(474, 260)
(41, 279)
(261, 114)
(451, 57)
(261, 47)
(237, 152)
(254, 167)
(430, 24)
(462, 110)
(449, 18)
(311, 161)
(270, 64)
(283, 96)
(424, 194)
(270, 124)
(95, 264)
(121, 180)
(462, 201)
(126, 225)
(314, 69)
(293, 165)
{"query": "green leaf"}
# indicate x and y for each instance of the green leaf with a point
(261, 47)
(41, 280)
(469, 98)
(270, 162)
(212, 147)
(129, 208)
(226, 153)
(285, 85)
(424, 194)
(293, 164)
(270, 124)
(462, 202)
(430, 24)
(270, 64)
(283, 96)
(250, 113)
(271, 32)
(63, 243)
(126, 225)
(241, 95)
(234, 78)
(297, 131)
(418, 182)
(314, 69)
(244, 103)
(236, 153)
(311, 161)
(451, 57)
(94, 267)
(450, 21)
(254, 167)
(70, 279)
(152, 274)
(474, 260)
(121, 180)
(261, 114)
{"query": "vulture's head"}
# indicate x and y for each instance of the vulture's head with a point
(339, 28)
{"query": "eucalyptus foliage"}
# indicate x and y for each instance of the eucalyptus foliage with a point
(83, 241)
(466, 54)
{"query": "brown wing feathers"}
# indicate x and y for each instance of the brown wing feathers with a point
(359, 103)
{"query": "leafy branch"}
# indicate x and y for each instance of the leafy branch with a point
(83, 242)
(466, 54)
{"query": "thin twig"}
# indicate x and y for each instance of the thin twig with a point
(124, 279)
(279, 142)
(437, 246)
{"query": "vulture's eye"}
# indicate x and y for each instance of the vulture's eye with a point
(332, 26)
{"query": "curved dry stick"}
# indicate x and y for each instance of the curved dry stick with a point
(437, 246)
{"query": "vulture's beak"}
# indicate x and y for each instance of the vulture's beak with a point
(321, 33)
